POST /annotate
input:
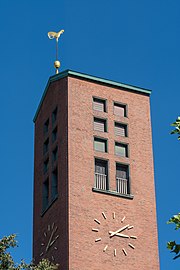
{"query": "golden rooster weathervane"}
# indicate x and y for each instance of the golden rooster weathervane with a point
(55, 35)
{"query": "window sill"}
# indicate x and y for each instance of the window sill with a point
(113, 193)
(49, 205)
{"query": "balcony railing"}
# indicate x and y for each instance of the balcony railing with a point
(100, 181)
(121, 185)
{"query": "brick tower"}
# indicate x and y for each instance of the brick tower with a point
(94, 199)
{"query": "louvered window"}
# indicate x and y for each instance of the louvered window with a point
(100, 144)
(121, 149)
(99, 104)
(100, 125)
(120, 109)
(120, 129)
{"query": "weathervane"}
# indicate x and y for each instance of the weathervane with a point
(55, 35)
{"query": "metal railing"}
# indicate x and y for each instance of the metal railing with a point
(100, 181)
(122, 185)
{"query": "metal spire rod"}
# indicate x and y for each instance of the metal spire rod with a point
(55, 35)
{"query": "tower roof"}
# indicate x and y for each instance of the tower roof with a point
(95, 79)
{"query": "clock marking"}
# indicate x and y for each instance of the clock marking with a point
(41, 254)
(104, 215)
(133, 247)
(95, 230)
(105, 248)
(123, 219)
(125, 253)
(98, 239)
(115, 252)
(114, 215)
(130, 227)
(133, 237)
(97, 221)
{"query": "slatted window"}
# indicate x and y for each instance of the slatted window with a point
(120, 109)
(100, 125)
(100, 144)
(99, 105)
(121, 149)
(120, 129)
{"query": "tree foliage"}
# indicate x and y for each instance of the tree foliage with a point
(7, 261)
(176, 124)
(172, 245)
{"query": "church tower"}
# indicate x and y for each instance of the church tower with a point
(94, 198)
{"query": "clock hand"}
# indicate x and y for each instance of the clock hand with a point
(119, 230)
(54, 241)
(120, 234)
(50, 239)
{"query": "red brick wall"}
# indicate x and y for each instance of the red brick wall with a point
(77, 205)
(57, 212)
(85, 205)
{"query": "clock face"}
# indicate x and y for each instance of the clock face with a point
(115, 234)
(49, 239)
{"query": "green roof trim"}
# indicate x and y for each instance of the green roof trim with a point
(72, 73)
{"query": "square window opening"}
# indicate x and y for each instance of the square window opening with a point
(100, 144)
(121, 149)
(54, 135)
(100, 124)
(46, 165)
(46, 146)
(120, 109)
(54, 186)
(46, 126)
(45, 194)
(120, 129)
(54, 116)
(99, 104)
(55, 154)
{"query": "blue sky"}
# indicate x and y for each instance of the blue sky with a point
(134, 42)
